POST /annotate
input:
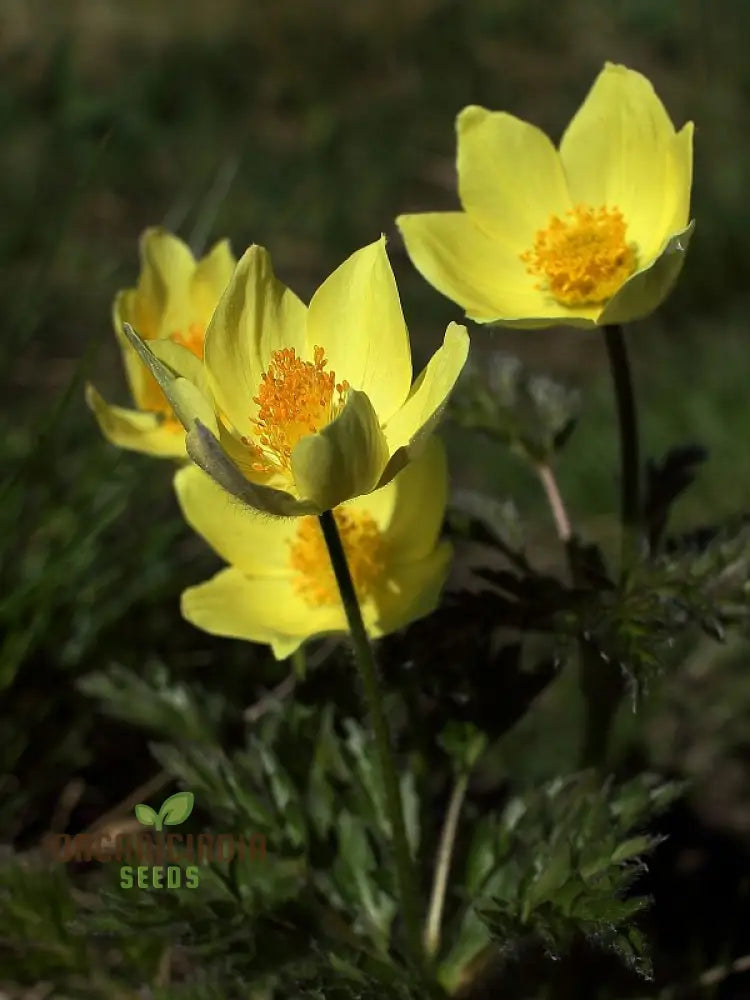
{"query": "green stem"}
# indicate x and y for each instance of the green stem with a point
(443, 864)
(368, 673)
(602, 690)
(629, 461)
(299, 663)
(601, 683)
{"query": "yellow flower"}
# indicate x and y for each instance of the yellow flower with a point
(594, 233)
(280, 588)
(172, 302)
(300, 409)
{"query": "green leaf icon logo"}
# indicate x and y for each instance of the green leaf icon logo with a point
(175, 809)
(145, 815)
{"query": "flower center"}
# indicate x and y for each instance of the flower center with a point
(295, 398)
(582, 259)
(365, 552)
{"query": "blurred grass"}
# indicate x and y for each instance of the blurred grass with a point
(308, 128)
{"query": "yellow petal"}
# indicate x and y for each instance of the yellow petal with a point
(165, 262)
(356, 317)
(413, 590)
(167, 267)
(124, 310)
(136, 431)
(210, 279)
(258, 609)
(616, 152)
(408, 430)
(409, 511)
(482, 275)
(165, 258)
(510, 178)
(255, 316)
(344, 459)
(249, 540)
(647, 289)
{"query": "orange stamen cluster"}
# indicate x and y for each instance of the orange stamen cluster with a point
(365, 552)
(584, 258)
(295, 398)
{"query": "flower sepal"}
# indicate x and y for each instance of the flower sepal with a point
(205, 450)
(646, 289)
(186, 399)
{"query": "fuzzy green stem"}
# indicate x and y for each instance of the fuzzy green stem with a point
(602, 690)
(601, 684)
(368, 674)
(443, 864)
(629, 460)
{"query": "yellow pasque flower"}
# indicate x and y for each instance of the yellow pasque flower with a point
(299, 409)
(280, 588)
(172, 302)
(593, 233)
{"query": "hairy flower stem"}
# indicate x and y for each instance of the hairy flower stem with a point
(601, 684)
(630, 502)
(443, 864)
(368, 673)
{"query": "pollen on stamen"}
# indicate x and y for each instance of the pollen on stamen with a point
(582, 259)
(295, 398)
(365, 550)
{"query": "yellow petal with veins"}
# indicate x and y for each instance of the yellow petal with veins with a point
(256, 316)
(135, 430)
(162, 299)
(480, 273)
(410, 509)
(250, 540)
(413, 590)
(409, 428)
(356, 317)
(258, 609)
(507, 168)
(209, 280)
(617, 152)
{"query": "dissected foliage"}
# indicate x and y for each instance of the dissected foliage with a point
(319, 911)
(539, 872)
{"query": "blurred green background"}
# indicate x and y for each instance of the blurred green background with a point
(307, 127)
